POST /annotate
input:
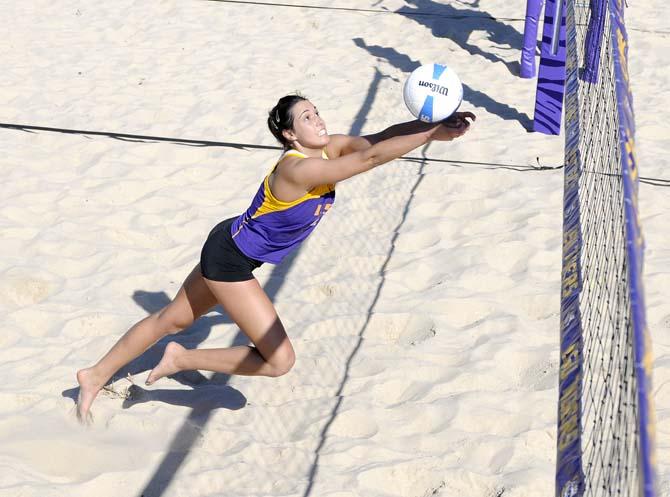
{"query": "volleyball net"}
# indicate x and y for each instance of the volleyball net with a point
(605, 441)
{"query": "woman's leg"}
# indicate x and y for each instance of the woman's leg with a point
(249, 306)
(193, 299)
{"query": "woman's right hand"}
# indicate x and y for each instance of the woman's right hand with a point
(454, 126)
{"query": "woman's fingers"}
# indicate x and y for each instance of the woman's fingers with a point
(453, 122)
(467, 114)
(457, 124)
(458, 119)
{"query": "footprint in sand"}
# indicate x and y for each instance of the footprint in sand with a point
(494, 453)
(355, 423)
(465, 312)
(539, 307)
(93, 324)
(416, 240)
(403, 329)
(12, 402)
(541, 375)
(420, 476)
(508, 257)
(79, 456)
(22, 290)
(398, 391)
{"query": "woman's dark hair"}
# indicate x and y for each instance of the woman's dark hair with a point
(280, 117)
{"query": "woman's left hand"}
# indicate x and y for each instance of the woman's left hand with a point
(454, 126)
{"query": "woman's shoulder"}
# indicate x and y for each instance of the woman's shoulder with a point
(288, 159)
(290, 156)
(336, 145)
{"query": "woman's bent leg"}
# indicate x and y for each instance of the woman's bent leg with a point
(193, 299)
(249, 306)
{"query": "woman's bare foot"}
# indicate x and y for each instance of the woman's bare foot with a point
(168, 364)
(89, 386)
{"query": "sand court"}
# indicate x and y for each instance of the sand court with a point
(424, 310)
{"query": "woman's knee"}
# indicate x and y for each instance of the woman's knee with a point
(282, 360)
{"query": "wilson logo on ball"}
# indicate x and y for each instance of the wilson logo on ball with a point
(442, 90)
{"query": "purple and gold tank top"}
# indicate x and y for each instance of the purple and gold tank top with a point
(271, 229)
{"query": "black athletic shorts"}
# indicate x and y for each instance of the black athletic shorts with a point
(221, 260)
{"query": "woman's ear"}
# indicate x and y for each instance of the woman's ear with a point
(289, 135)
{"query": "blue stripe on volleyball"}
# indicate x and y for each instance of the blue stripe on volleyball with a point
(426, 113)
(438, 69)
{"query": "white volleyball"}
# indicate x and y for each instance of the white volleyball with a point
(433, 92)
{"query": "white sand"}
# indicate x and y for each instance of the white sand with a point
(424, 310)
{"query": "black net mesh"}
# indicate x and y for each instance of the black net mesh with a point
(609, 409)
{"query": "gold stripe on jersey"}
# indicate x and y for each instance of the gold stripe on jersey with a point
(273, 204)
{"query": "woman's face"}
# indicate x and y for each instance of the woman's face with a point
(309, 130)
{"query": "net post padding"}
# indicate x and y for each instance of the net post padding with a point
(569, 474)
(551, 75)
(533, 12)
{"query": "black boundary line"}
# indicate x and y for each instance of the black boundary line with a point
(254, 146)
(244, 146)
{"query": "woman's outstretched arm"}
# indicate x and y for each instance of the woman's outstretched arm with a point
(383, 147)
(346, 144)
